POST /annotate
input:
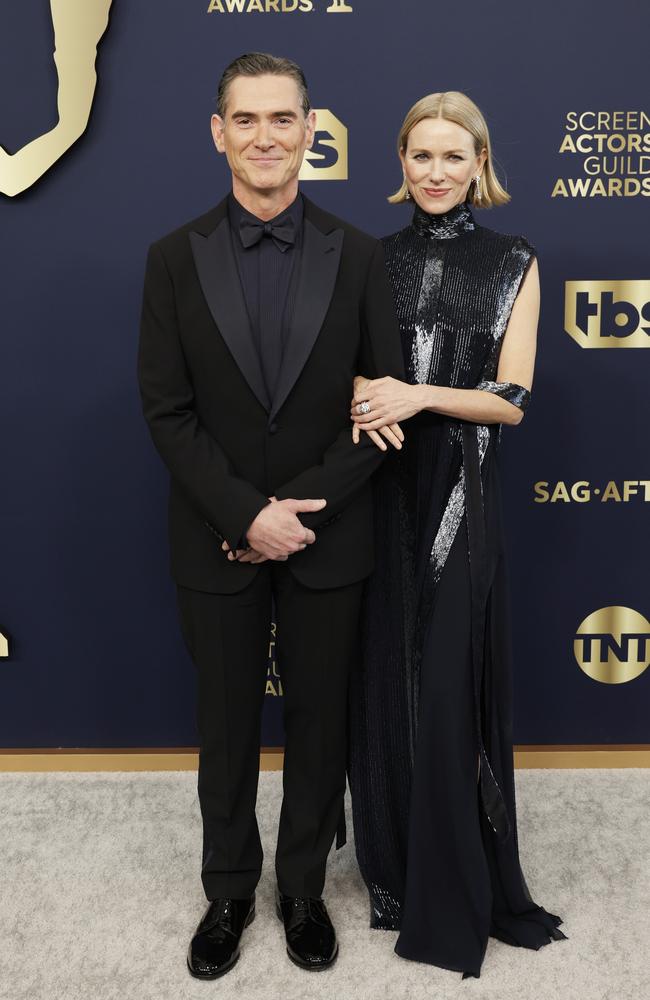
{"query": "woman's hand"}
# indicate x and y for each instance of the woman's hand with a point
(389, 400)
(392, 433)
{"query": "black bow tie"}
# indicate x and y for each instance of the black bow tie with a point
(282, 231)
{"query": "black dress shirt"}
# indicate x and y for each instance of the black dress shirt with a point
(268, 272)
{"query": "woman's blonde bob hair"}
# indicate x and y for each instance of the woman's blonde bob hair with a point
(456, 107)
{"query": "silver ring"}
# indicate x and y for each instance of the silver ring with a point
(364, 407)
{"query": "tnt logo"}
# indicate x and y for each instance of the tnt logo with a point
(613, 645)
(327, 160)
(608, 313)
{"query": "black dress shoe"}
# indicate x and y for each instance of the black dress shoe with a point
(311, 938)
(214, 949)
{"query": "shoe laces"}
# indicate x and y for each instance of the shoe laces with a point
(305, 908)
(221, 921)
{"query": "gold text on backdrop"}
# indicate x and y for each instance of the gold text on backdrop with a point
(78, 26)
(612, 645)
(608, 313)
(582, 491)
(273, 680)
(260, 6)
(277, 6)
(327, 160)
(4, 646)
(613, 151)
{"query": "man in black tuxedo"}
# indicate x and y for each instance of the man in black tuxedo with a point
(256, 318)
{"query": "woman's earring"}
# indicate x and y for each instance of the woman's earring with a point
(477, 190)
(408, 195)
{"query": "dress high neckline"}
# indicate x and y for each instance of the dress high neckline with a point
(446, 226)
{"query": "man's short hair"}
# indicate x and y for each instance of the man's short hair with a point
(261, 64)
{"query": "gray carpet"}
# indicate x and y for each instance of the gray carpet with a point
(100, 893)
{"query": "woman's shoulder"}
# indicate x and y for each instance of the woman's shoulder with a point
(396, 244)
(507, 242)
(392, 238)
(493, 240)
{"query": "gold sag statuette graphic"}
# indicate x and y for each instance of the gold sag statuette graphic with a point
(78, 26)
(4, 646)
(327, 160)
(339, 7)
(613, 645)
(608, 313)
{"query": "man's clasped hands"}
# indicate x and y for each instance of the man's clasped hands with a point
(276, 533)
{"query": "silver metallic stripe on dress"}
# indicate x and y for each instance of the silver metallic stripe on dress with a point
(454, 511)
(423, 361)
(386, 910)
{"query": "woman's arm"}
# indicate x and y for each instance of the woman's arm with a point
(392, 401)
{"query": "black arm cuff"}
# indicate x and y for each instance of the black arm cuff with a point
(510, 391)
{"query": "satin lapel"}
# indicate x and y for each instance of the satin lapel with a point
(319, 267)
(219, 278)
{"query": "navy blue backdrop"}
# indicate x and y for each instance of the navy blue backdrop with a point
(96, 655)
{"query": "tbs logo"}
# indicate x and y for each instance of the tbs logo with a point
(608, 313)
(327, 160)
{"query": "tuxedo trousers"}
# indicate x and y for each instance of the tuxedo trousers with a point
(317, 643)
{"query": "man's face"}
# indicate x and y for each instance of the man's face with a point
(265, 133)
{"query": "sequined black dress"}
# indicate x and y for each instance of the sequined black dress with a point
(437, 848)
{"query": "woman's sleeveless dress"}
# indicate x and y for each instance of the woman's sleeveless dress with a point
(437, 848)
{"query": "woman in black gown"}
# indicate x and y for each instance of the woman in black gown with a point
(431, 756)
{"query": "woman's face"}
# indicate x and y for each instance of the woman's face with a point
(439, 163)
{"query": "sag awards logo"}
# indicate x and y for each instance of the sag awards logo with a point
(582, 491)
(611, 152)
(78, 26)
(277, 6)
(612, 645)
(608, 313)
(327, 160)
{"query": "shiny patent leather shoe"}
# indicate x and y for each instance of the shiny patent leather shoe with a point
(311, 938)
(214, 949)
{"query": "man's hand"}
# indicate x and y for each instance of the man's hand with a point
(243, 555)
(277, 533)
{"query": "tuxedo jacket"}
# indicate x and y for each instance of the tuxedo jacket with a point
(226, 447)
